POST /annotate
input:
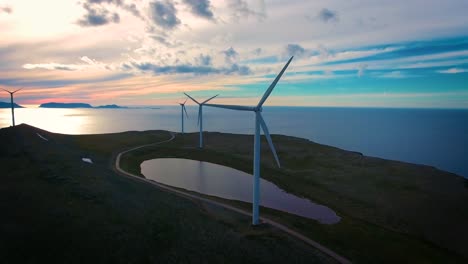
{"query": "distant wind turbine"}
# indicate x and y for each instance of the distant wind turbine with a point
(183, 109)
(258, 122)
(12, 105)
(200, 115)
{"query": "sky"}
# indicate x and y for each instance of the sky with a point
(367, 53)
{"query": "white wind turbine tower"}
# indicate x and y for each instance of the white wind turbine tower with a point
(12, 106)
(200, 115)
(183, 109)
(258, 122)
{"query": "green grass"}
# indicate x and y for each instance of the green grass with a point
(391, 211)
(70, 211)
(58, 209)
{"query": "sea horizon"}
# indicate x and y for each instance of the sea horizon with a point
(427, 136)
(124, 106)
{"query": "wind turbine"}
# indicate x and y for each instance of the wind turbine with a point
(12, 106)
(259, 122)
(200, 115)
(183, 109)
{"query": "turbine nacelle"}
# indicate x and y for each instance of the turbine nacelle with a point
(258, 110)
(183, 104)
(200, 115)
(10, 92)
(200, 105)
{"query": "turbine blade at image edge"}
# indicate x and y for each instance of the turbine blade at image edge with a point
(273, 84)
(268, 137)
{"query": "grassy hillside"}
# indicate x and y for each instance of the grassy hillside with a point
(392, 211)
(55, 208)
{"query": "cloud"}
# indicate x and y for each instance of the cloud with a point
(164, 14)
(324, 53)
(241, 10)
(204, 60)
(164, 41)
(257, 51)
(132, 8)
(52, 66)
(361, 69)
(188, 69)
(97, 17)
(453, 71)
(326, 15)
(201, 8)
(394, 75)
(88, 60)
(295, 50)
(60, 82)
(89, 64)
(241, 70)
(117, 2)
(6, 9)
(230, 55)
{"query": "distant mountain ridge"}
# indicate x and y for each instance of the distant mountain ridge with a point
(77, 105)
(8, 105)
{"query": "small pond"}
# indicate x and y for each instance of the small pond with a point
(225, 182)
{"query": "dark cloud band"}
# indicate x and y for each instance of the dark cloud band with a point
(201, 8)
(187, 68)
(164, 14)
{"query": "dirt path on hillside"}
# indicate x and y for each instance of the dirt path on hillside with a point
(223, 205)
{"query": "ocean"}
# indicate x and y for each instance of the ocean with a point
(435, 137)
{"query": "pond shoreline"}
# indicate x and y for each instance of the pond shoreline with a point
(285, 229)
(228, 183)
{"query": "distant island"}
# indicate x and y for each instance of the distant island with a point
(77, 105)
(8, 105)
(112, 106)
(65, 105)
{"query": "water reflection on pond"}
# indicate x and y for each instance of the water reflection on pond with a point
(229, 183)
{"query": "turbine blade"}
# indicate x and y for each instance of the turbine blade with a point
(199, 115)
(267, 135)
(233, 107)
(273, 84)
(17, 90)
(192, 98)
(209, 99)
(185, 101)
(185, 109)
